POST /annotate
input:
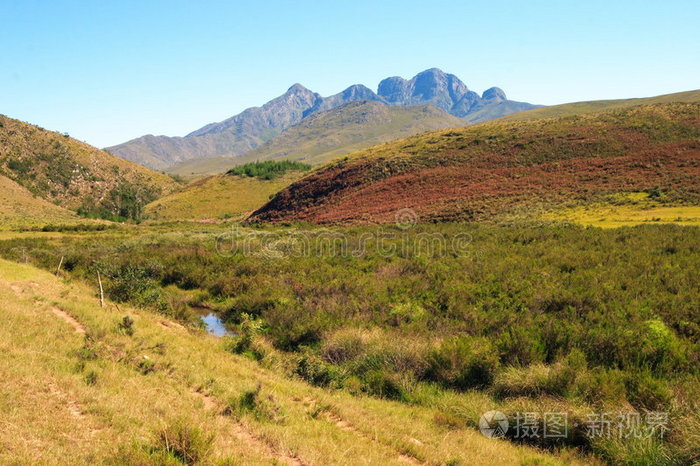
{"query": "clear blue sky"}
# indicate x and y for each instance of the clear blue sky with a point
(107, 71)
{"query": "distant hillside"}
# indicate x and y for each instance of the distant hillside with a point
(218, 197)
(594, 106)
(19, 207)
(496, 169)
(255, 126)
(73, 174)
(328, 135)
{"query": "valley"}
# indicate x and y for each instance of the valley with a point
(417, 275)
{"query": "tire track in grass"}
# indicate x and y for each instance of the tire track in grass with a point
(21, 292)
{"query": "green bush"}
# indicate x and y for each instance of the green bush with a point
(187, 443)
(383, 384)
(317, 372)
(463, 363)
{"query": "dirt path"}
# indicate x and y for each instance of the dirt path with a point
(69, 319)
(343, 424)
(21, 292)
(245, 435)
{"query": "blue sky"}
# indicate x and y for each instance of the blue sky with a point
(108, 71)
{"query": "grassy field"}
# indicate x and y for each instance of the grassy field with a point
(523, 319)
(90, 385)
(218, 197)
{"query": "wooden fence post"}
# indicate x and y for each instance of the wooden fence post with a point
(102, 294)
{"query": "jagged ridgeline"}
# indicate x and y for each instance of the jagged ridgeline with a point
(255, 126)
(75, 175)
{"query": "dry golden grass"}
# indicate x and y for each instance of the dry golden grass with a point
(20, 208)
(578, 108)
(71, 399)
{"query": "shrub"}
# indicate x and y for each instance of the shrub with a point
(463, 363)
(344, 345)
(315, 371)
(244, 343)
(520, 345)
(382, 384)
(187, 443)
(91, 378)
(263, 408)
(126, 326)
(405, 313)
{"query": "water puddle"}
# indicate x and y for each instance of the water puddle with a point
(214, 325)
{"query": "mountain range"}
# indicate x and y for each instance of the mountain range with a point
(326, 135)
(253, 127)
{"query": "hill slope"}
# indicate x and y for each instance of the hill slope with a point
(328, 135)
(218, 197)
(73, 174)
(254, 126)
(494, 169)
(594, 106)
(19, 207)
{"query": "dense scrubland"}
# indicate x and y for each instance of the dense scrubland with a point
(521, 318)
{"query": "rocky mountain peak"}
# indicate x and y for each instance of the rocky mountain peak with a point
(495, 93)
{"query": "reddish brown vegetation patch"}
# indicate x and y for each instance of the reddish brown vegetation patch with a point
(458, 178)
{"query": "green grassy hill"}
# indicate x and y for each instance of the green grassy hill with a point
(73, 174)
(510, 169)
(328, 135)
(593, 106)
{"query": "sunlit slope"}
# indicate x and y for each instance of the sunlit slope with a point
(78, 388)
(218, 197)
(328, 135)
(20, 208)
(594, 106)
(68, 172)
(506, 169)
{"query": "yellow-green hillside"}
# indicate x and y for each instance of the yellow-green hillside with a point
(217, 197)
(332, 134)
(20, 208)
(88, 385)
(593, 106)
